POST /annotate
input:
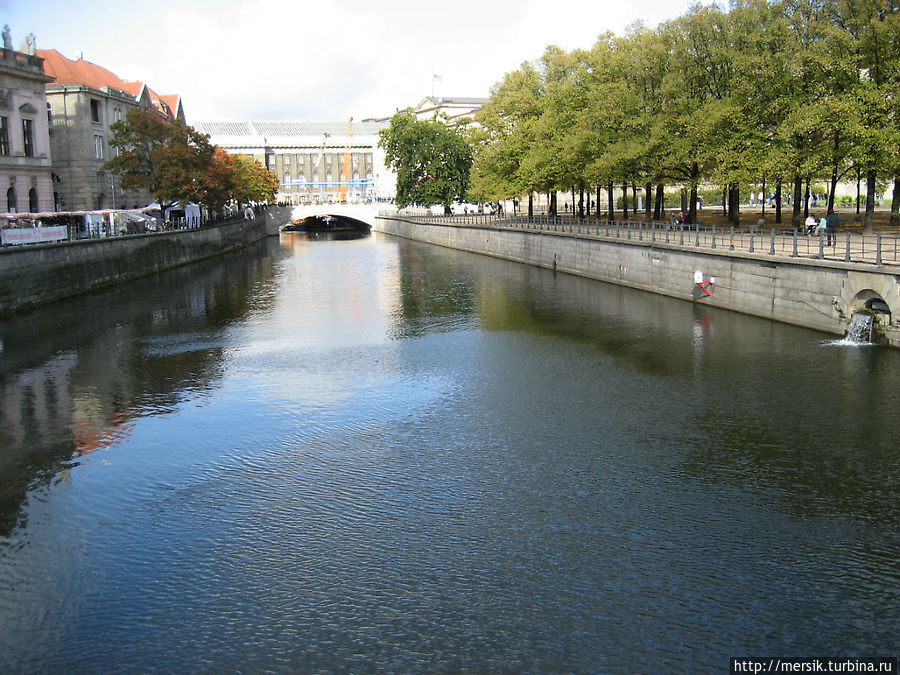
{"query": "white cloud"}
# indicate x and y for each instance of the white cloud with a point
(325, 60)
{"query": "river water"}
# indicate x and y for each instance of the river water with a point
(373, 454)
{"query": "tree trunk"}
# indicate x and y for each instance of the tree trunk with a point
(597, 211)
(734, 204)
(659, 206)
(895, 203)
(530, 205)
(648, 198)
(858, 192)
(798, 191)
(634, 200)
(806, 200)
(581, 203)
(778, 201)
(724, 201)
(553, 204)
(692, 207)
(610, 202)
(870, 202)
(832, 187)
(765, 198)
(625, 200)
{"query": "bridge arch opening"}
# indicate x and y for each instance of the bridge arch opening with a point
(327, 222)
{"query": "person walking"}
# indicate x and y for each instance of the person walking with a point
(831, 226)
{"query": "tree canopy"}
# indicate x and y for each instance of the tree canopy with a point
(432, 160)
(788, 92)
(177, 164)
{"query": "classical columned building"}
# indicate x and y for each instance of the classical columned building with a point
(315, 162)
(26, 183)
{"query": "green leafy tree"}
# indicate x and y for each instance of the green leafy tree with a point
(252, 182)
(432, 161)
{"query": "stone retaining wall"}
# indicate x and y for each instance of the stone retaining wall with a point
(817, 294)
(35, 275)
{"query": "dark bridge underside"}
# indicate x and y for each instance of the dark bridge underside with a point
(327, 223)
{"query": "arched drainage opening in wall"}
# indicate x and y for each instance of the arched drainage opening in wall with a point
(865, 322)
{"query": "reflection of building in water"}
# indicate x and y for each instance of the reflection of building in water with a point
(36, 401)
(309, 157)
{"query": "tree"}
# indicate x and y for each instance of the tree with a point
(252, 182)
(432, 161)
(168, 159)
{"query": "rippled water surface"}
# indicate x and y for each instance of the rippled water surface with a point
(349, 456)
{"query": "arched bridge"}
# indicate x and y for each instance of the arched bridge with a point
(364, 213)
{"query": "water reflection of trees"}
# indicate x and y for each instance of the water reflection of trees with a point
(75, 374)
(761, 405)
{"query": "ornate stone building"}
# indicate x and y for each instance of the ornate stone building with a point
(25, 173)
(315, 162)
(84, 100)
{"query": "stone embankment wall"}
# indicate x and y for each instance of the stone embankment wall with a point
(818, 294)
(35, 275)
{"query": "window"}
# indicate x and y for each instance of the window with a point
(98, 147)
(287, 178)
(4, 135)
(28, 136)
(33, 200)
(11, 200)
(95, 110)
(117, 114)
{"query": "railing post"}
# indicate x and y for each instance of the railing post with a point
(713, 236)
(752, 239)
(821, 245)
(772, 244)
(878, 248)
(681, 239)
(731, 244)
(794, 254)
(697, 235)
(847, 250)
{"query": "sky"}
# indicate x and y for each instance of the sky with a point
(325, 61)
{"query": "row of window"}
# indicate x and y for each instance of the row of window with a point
(12, 202)
(27, 136)
(96, 108)
(300, 160)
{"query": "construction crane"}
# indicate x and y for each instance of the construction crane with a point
(345, 168)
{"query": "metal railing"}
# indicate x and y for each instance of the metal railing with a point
(852, 247)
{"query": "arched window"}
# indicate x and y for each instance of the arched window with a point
(33, 200)
(11, 200)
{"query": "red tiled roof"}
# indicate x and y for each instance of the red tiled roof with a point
(84, 73)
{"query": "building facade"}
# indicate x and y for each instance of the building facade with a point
(328, 162)
(449, 110)
(84, 100)
(25, 152)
